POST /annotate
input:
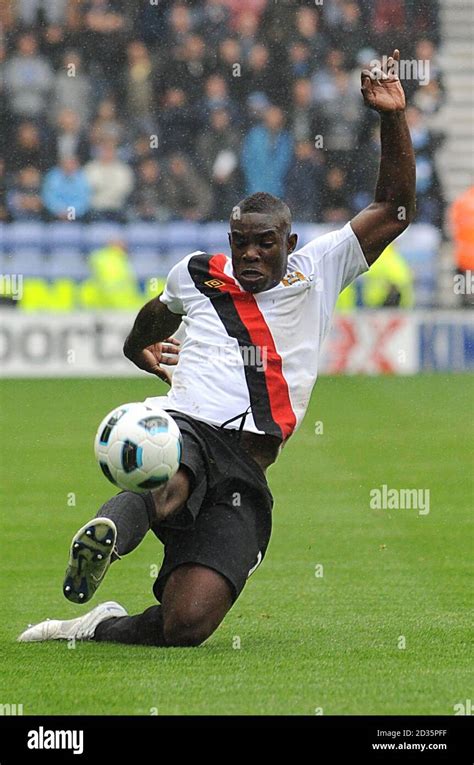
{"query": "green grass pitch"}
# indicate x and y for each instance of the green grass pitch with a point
(384, 630)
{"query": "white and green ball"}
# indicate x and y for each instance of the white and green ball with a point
(138, 447)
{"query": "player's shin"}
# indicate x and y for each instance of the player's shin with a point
(132, 515)
(142, 629)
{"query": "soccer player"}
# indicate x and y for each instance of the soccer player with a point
(254, 324)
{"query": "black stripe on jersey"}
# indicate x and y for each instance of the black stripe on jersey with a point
(223, 304)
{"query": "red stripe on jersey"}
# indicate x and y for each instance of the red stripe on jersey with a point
(260, 335)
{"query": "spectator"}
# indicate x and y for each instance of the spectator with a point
(66, 191)
(307, 30)
(428, 188)
(425, 51)
(177, 122)
(188, 195)
(112, 283)
(225, 183)
(388, 21)
(299, 57)
(105, 29)
(241, 7)
(3, 193)
(190, 68)
(324, 80)
(428, 98)
(220, 136)
(53, 44)
(72, 88)
(333, 14)
(257, 105)
(214, 21)
(106, 126)
(422, 18)
(151, 24)
(336, 203)
(111, 182)
(261, 75)
(266, 155)
(388, 282)
(216, 96)
(6, 118)
(461, 222)
(278, 22)
(229, 65)
(305, 183)
(141, 150)
(54, 11)
(342, 114)
(180, 26)
(139, 83)
(28, 149)
(218, 150)
(24, 198)
(28, 79)
(246, 27)
(68, 138)
(366, 173)
(305, 118)
(351, 33)
(149, 201)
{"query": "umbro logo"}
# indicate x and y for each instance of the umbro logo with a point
(214, 283)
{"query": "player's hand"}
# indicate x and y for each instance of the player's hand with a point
(381, 87)
(157, 357)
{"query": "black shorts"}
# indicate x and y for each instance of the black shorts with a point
(227, 520)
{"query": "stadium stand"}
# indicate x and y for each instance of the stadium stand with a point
(175, 103)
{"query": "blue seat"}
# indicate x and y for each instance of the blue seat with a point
(183, 234)
(146, 263)
(23, 235)
(213, 238)
(68, 234)
(148, 235)
(99, 234)
(306, 232)
(67, 263)
(27, 262)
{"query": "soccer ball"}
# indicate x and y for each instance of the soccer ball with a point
(138, 447)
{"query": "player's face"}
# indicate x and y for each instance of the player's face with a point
(260, 246)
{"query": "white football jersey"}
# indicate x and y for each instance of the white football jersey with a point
(256, 354)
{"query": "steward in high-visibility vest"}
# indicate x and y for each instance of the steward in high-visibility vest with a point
(388, 283)
(462, 226)
(113, 283)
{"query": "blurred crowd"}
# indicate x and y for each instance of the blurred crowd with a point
(163, 110)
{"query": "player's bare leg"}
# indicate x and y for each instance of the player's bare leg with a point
(195, 601)
(119, 527)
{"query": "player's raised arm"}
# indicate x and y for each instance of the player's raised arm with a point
(149, 344)
(393, 207)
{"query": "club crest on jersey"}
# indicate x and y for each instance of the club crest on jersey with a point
(292, 277)
(214, 283)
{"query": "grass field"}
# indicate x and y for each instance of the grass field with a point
(391, 578)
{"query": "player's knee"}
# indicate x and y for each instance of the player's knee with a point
(187, 627)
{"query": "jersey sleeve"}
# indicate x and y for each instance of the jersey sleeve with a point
(338, 260)
(171, 296)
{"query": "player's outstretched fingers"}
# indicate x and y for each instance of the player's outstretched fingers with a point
(195, 600)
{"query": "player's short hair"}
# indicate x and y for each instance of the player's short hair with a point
(263, 202)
